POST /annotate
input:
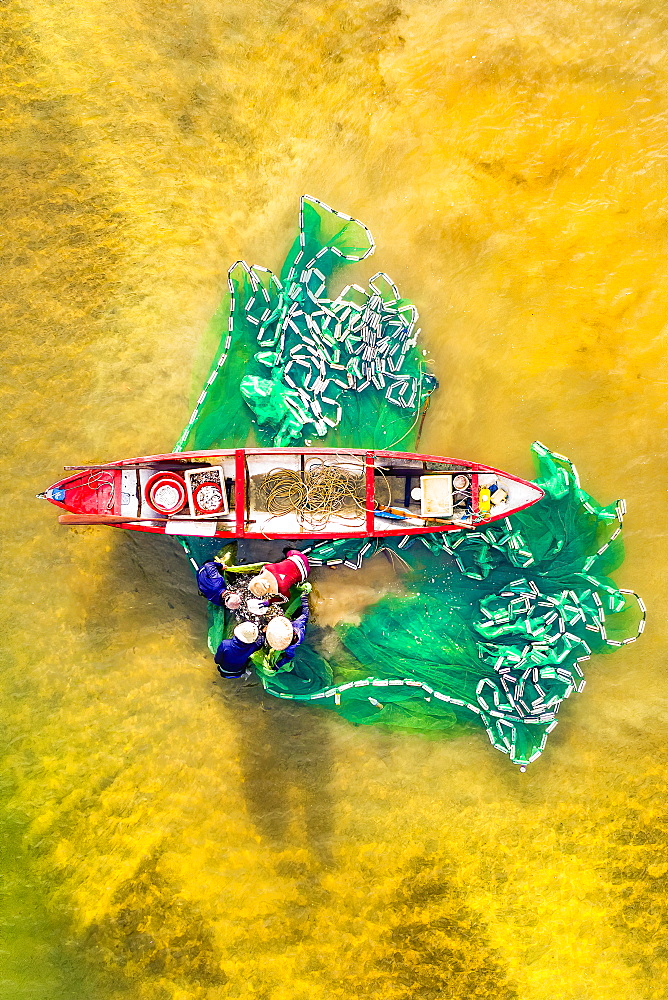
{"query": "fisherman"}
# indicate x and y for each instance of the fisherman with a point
(212, 585)
(279, 578)
(233, 654)
(287, 636)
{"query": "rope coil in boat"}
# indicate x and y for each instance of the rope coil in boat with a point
(316, 495)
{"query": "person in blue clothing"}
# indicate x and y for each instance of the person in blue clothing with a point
(232, 655)
(283, 634)
(211, 583)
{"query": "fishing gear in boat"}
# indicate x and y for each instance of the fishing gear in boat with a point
(318, 493)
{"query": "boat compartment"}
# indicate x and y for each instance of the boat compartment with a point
(295, 494)
(134, 501)
(421, 490)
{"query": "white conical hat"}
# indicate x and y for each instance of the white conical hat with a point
(279, 632)
(264, 583)
(246, 632)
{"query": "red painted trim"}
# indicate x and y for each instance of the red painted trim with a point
(370, 493)
(240, 491)
(118, 479)
(475, 510)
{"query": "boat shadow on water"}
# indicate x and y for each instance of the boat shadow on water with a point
(286, 757)
(284, 752)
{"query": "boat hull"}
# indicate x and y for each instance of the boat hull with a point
(387, 484)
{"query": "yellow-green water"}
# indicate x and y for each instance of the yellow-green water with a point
(170, 837)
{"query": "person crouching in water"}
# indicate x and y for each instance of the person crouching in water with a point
(233, 654)
(278, 578)
(287, 636)
(211, 583)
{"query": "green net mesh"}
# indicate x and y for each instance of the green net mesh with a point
(493, 625)
(299, 366)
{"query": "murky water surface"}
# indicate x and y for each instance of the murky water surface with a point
(170, 836)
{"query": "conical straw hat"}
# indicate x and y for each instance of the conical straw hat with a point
(262, 584)
(246, 632)
(279, 632)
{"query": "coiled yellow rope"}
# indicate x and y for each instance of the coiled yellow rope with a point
(319, 493)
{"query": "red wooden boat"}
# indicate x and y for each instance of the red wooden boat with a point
(290, 493)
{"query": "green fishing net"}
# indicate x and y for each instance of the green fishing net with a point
(492, 625)
(300, 367)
